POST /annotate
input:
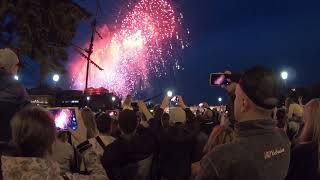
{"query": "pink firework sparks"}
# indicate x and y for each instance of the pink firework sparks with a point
(142, 45)
(62, 118)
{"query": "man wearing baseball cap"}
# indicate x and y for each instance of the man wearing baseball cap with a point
(259, 152)
(12, 94)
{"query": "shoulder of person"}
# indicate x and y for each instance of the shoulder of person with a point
(117, 145)
(224, 153)
(218, 160)
(306, 148)
(84, 146)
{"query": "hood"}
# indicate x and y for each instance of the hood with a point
(29, 168)
(11, 90)
(179, 134)
(4, 78)
(138, 147)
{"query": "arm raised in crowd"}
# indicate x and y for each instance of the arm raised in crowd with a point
(165, 102)
(143, 108)
(181, 103)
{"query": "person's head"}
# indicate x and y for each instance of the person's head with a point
(311, 118)
(127, 103)
(177, 116)
(62, 136)
(104, 123)
(219, 135)
(281, 118)
(89, 121)
(165, 120)
(207, 114)
(256, 94)
(33, 132)
(190, 116)
(128, 121)
(9, 61)
(231, 86)
(293, 99)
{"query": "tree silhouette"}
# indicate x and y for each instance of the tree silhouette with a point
(40, 29)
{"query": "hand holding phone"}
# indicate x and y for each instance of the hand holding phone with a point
(219, 79)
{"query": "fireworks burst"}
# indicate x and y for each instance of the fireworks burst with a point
(144, 43)
(62, 119)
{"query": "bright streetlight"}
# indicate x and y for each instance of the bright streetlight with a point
(220, 99)
(169, 93)
(284, 75)
(16, 77)
(55, 77)
(88, 98)
(113, 98)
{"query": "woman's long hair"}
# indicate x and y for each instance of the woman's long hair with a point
(89, 122)
(311, 130)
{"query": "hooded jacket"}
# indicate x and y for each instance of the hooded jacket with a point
(177, 150)
(13, 97)
(259, 152)
(11, 90)
(120, 158)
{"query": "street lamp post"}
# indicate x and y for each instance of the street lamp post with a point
(55, 78)
(284, 76)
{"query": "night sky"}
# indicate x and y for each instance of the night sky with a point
(233, 34)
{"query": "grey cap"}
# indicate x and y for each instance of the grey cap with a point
(8, 59)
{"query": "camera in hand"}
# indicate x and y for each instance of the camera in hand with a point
(219, 79)
(64, 118)
(175, 100)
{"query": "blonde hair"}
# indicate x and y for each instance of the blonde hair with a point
(90, 123)
(33, 132)
(219, 135)
(311, 130)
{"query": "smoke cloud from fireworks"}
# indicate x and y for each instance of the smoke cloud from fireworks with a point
(143, 43)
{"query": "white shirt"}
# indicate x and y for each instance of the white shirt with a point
(63, 154)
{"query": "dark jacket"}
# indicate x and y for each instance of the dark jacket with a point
(177, 150)
(13, 97)
(259, 152)
(120, 158)
(304, 162)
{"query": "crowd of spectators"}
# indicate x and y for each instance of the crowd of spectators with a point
(257, 139)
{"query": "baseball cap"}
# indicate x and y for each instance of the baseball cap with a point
(177, 115)
(8, 58)
(261, 86)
